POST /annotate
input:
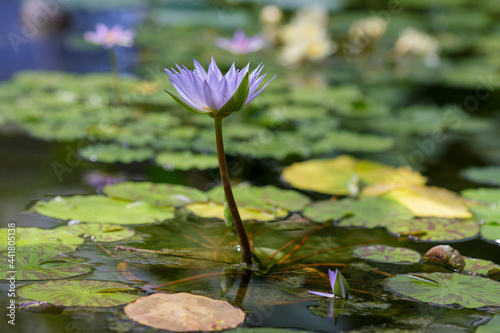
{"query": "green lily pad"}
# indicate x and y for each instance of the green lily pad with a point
(79, 293)
(367, 213)
(490, 327)
(155, 193)
(484, 175)
(486, 213)
(352, 142)
(42, 266)
(267, 198)
(491, 231)
(186, 161)
(42, 240)
(448, 288)
(100, 209)
(434, 229)
(99, 232)
(217, 211)
(479, 266)
(110, 153)
(484, 195)
(387, 254)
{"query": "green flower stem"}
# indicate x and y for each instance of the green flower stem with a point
(113, 60)
(226, 183)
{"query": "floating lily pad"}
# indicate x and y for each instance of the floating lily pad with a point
(367, 213)
(483, 175)
(429, 201)
(338, 175)
(100, 209)
(448, 288)
(42, 240)
(216, 210)
(479, 266)
(79, 293)
(387, 254)
(490, 327)
(491, 231)
(433, 229)
(155, 193)
(42, 266)
(484, 195)
(186, 161)
(268, 198)
(99, 232)
(184, 312)
(352, 142)
(486, 213)
(110, 153)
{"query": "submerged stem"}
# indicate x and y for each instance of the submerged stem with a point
(226, 184)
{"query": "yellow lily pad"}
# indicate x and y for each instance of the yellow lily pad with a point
(216, 210)
(339, 175)
(430, 201)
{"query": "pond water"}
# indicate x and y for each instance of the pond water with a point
(374, 152)
(276, 299)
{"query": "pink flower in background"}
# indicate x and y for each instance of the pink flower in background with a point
(241, 44)
(110, 37)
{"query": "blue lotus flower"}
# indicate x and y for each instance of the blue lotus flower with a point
(241, 44)
(340, 287)
(211, 92)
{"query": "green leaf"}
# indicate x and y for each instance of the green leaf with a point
(485, 175)
(267, 198)
(111, 153)
(99, 232)
(490, 327)
(42, 266)
(352, 142)
(78, 293)
(387, 254)
(486, 213)
(484, 195)
(367, 213)
(237, 101)
(100, 209)
(186, 161)
(42, 240)
(158, 194)
(433, 229)
(479, 266)
(451, 288)
(491, 231)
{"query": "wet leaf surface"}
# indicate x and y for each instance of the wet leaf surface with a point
(91, 293)
(101, 209)
(387, 254)
(447, 289)
(42, 266)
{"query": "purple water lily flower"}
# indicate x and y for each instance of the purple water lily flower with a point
(211, 92)
(340, 287)
(110, 37)
(241, 44)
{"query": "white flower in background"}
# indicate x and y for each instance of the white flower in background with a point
(306, 37)
(271, 15)
(414, 42)
(365, 31)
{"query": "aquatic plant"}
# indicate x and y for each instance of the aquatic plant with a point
(340, 287)
(219, 96)
(241, 43)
